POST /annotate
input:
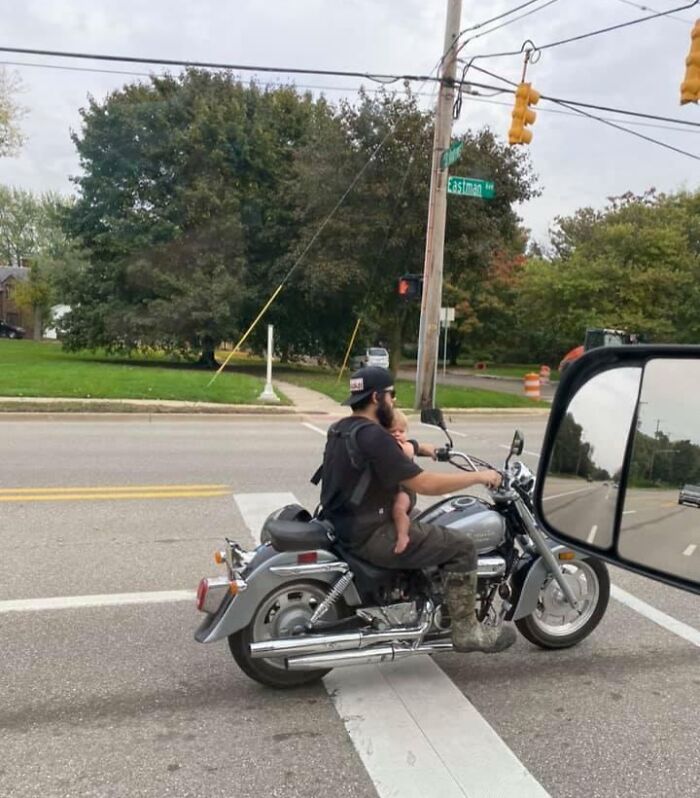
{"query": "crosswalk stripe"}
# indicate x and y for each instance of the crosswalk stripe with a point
(415, 732)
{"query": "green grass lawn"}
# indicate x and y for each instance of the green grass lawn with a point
(447, 395)
(516, 370)
(30, 368)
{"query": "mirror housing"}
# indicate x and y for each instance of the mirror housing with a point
(432, 416)
(621, 455)
(516, 447)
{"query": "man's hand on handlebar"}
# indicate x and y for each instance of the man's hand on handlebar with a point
(490, 478)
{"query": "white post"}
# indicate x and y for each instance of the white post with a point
(444, 349)
(268, 394)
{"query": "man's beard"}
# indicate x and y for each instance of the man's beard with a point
(385, 412)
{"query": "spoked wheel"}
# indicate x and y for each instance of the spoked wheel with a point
(555, 623)
(283, 613)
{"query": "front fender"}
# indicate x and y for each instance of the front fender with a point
(236, 612)
(528, 581)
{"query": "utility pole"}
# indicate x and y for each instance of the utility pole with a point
(429, 335)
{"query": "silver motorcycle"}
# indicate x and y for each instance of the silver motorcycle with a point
(301, 604)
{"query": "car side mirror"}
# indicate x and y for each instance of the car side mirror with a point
(621, 457)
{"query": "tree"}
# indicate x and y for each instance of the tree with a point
(378, 233)
(181, 207)
(11, 137)
(635, 266)
(31, 235)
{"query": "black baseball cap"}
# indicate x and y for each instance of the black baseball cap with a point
(365, 381)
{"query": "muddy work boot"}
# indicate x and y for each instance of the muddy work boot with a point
(467, 633)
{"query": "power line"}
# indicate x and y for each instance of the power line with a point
(534, 48)
(506, 23)
(627, 130)
(499, 16)
(607, 122)
(687, 125)
(558, 112)
(377, 77)
(649, 8)
(604, 108)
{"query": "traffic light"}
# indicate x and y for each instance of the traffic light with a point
(690, 88)
(410, 286)
(525, 96)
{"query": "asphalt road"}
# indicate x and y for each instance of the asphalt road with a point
(120, 700)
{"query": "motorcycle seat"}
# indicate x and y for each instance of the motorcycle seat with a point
(298, 535)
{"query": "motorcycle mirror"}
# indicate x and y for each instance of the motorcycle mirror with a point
(622, 446)
(434, 417)
(516, 446)
(518, 443)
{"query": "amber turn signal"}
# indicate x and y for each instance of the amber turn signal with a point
(219, 557)
(567, 555)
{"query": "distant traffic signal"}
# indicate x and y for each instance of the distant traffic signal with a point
(690, 88)
(525, 96)
(410, 286)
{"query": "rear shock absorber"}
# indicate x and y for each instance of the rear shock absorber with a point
(335, 593)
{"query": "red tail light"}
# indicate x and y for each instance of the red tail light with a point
(202, 589)
(307, 557)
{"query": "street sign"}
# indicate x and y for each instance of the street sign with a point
(469, 187)
(447, 315)
(451, 156)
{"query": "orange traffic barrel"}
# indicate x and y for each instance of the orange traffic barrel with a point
(532, 385)
(545, 371)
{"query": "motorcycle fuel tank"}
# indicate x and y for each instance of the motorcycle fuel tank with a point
(470, 515)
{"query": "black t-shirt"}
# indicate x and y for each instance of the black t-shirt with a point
(389, 467)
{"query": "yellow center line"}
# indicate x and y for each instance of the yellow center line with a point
(56, 497)
(111, 489)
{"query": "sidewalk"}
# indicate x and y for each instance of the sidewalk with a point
(305, 402)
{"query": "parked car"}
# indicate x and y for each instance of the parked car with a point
(10, 331)
(373, 356)
(689, 494)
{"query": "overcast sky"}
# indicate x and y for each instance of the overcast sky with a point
(579, 161)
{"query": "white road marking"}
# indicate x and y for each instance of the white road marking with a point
(679, 628)
(415, 732)
(255, 507)
(561, 495)
(106, 600)
(451, 431)
(690, 550)
(417, 735)
(628, 512)
(313, 427)
(591, 535)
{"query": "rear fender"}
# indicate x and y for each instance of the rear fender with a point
(528, 581)
(236, 612)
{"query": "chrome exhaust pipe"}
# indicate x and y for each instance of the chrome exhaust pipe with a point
(320, 644)
(373, 656)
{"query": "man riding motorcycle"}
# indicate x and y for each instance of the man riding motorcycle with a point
(362, 469)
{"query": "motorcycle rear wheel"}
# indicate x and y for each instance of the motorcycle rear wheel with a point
(554, 624)
(279, 615)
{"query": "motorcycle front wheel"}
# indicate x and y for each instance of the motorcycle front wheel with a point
(282, 613)
(554, 623)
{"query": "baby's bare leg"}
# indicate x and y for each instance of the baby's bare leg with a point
(402, 521)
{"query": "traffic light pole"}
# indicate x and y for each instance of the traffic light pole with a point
(429, 335)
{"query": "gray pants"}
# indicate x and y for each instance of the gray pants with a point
(429, 546)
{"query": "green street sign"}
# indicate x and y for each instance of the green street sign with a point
(469, 187)
(451, 156)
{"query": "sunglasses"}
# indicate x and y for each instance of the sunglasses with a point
(391, 392)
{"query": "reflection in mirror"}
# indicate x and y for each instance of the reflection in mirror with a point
(661, 517)
(581, 489)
